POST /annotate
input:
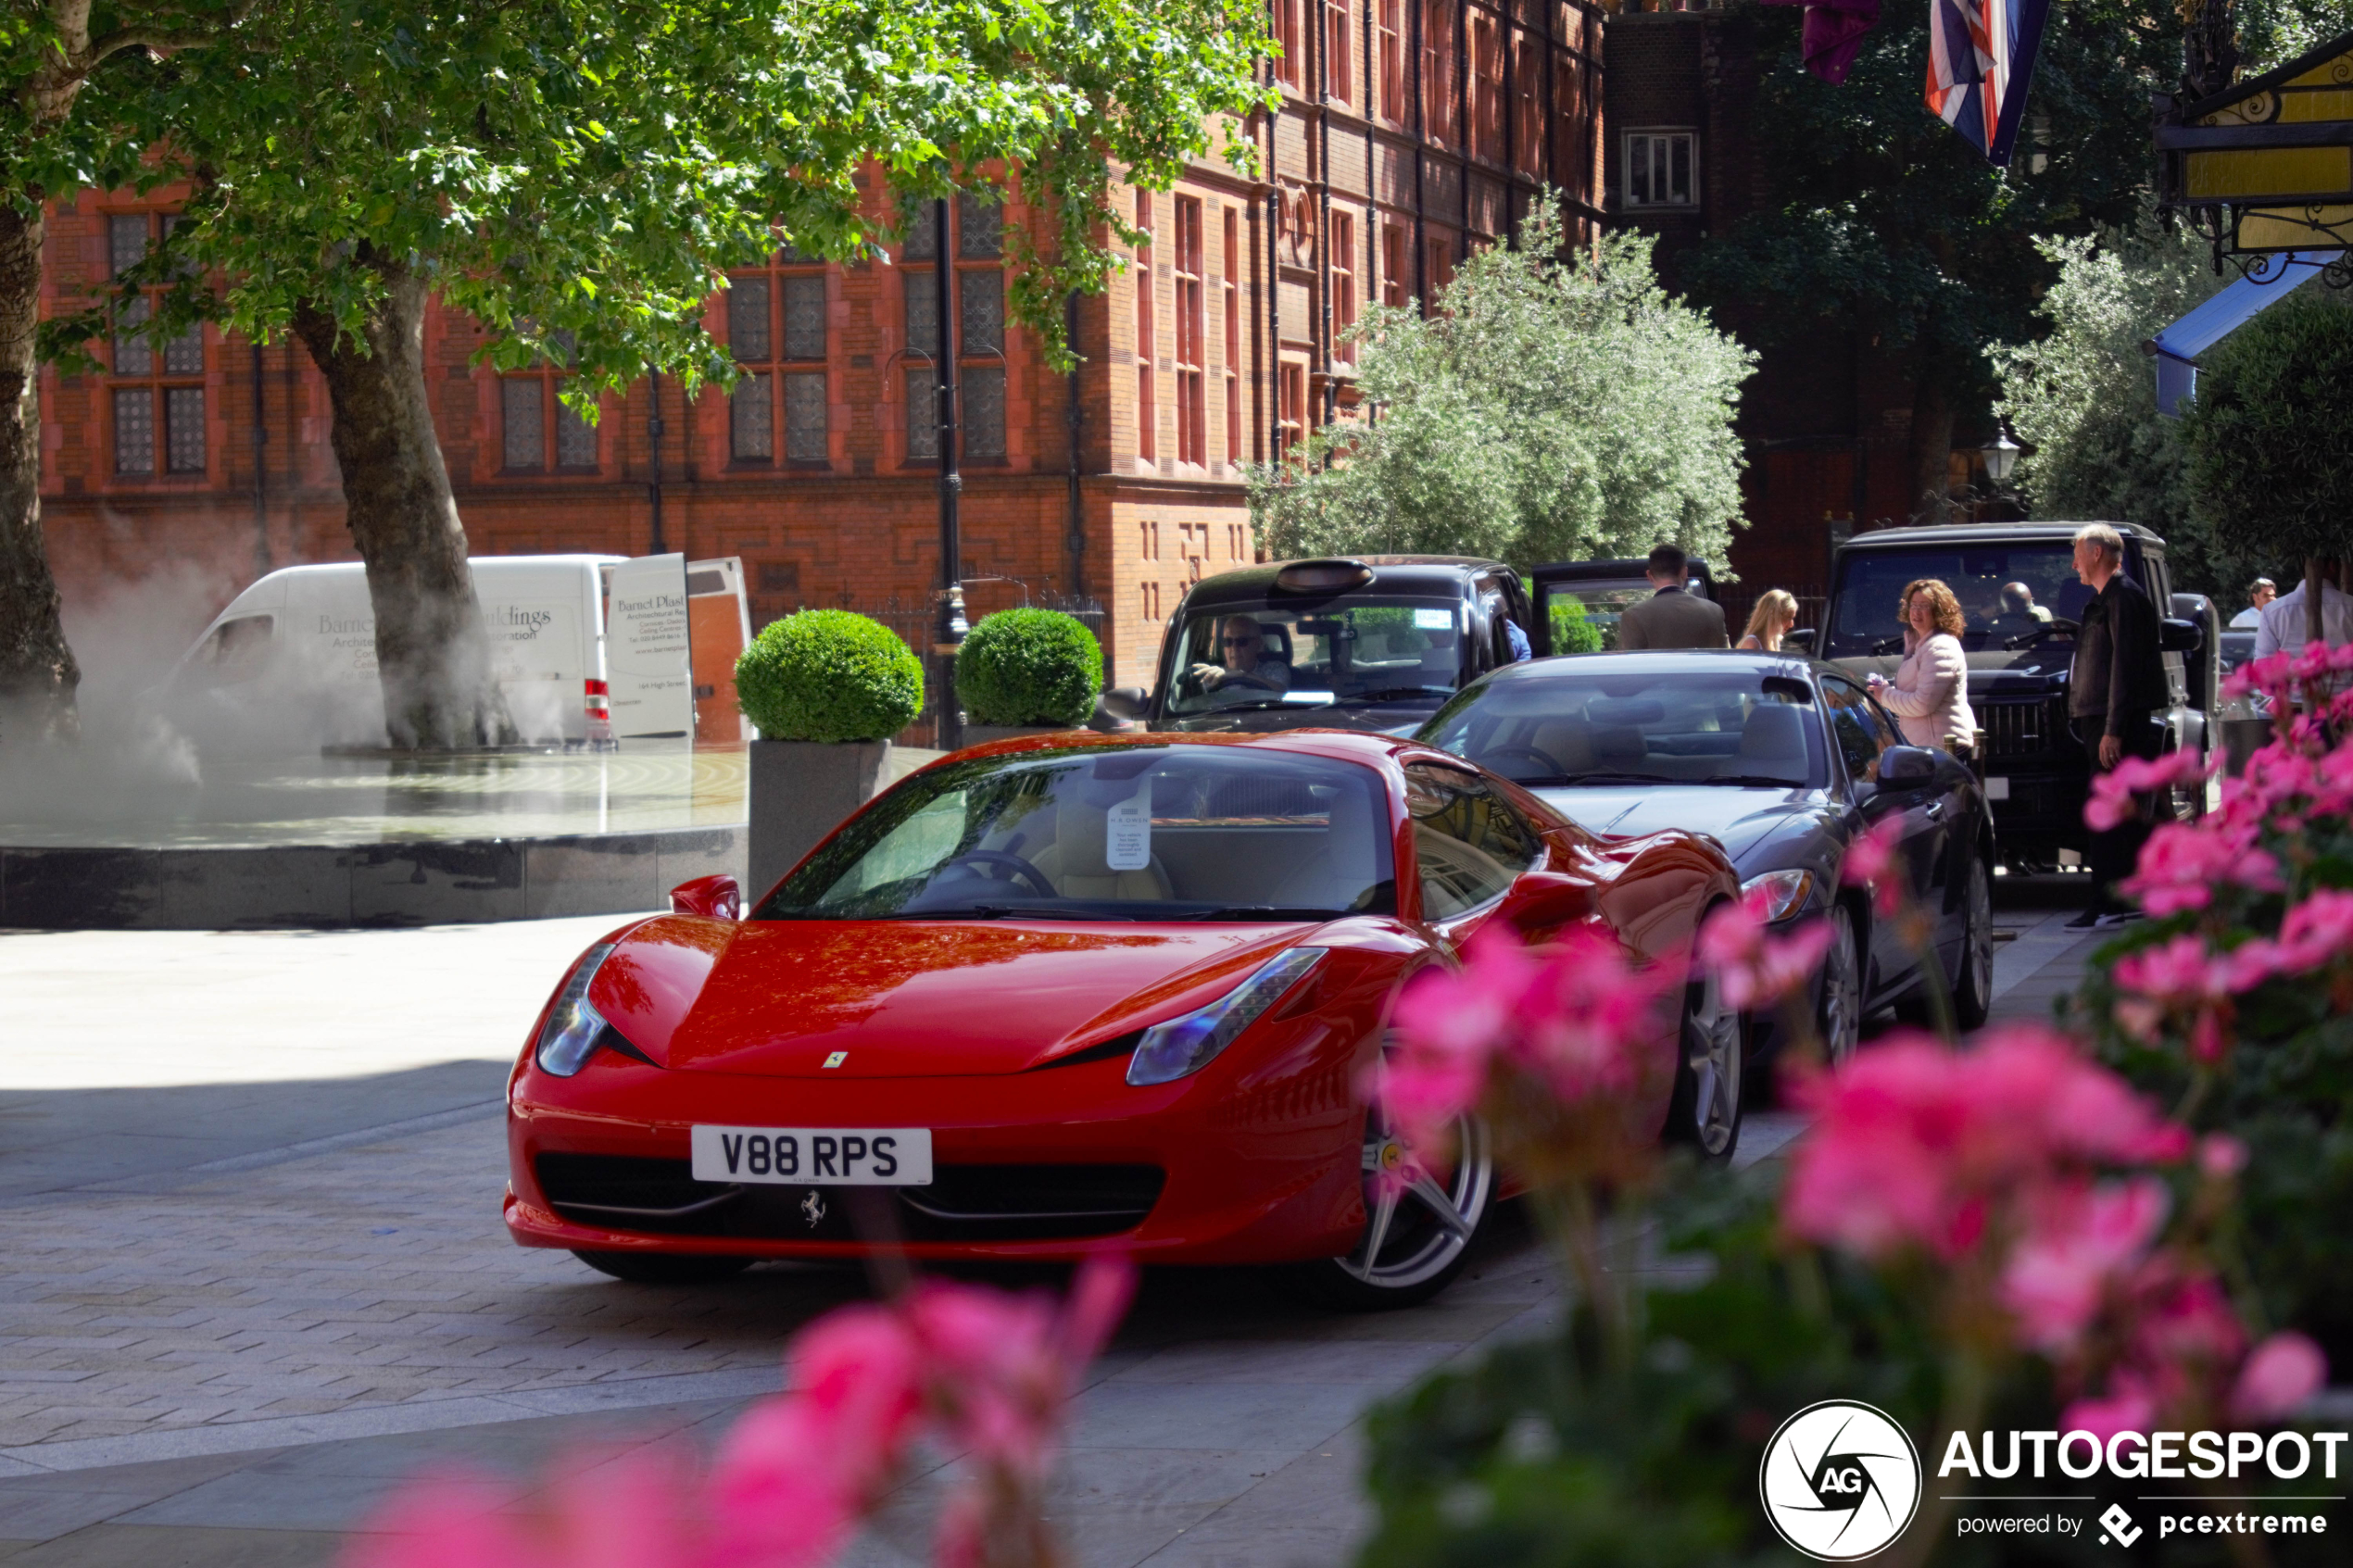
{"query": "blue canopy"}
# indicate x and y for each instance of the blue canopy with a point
(2271, 279)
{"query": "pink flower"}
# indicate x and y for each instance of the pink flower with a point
(2221, 1156)
(2080, 1240)
(2318, 932)
(635, 1511)
(1576, 1016)
(1871, 862)
(2182, 863)
(2112, 792)
(1756, 968)
(2129, 1410)
(1913, 1141)
(2280, 1374)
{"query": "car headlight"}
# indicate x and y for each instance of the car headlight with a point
(1182, 1046)
(1785, 892)
(568, 1037)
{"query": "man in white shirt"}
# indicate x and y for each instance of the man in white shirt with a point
(2281, 628)
(2259, 594)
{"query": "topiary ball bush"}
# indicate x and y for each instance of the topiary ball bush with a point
(1029, 667)
(829, 675)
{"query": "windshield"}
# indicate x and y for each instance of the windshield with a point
(1589, 722)
(1366, 650)
(2008, 592)
(1124, 833)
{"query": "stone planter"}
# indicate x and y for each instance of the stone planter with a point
(980, 735)
(800, 792)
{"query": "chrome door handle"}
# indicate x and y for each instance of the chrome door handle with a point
(1936, 810)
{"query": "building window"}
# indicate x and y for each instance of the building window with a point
(1339, 58)
(1290, 35)
(1343, 285)
(1487, 89)
(1147, 540)
(776, 330)
(1437, 70)
(159, 426)
(1659, 168)
(1231, 291)
(1192, 338)
(1290, 394)
(1441, 265)
(1527, 110)
(1391, 65)
(977, 242)
(1392, 265)
(1147, 308)
(1235, 543)
(535, 422)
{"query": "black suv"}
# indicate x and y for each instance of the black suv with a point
(1360, 643)
(2019, 594)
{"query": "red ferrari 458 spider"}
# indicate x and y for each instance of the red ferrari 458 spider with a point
(1054, 993)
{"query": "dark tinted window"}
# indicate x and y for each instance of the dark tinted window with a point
(1592, 719)
(1861, 729)
(1987, 579)
(1469, 842)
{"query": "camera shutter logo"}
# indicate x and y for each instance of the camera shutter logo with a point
(1840, 1480)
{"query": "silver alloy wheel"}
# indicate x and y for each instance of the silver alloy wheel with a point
(1841, 1015)
(1978, 937)
(1712, 1053)
(1416, 1232)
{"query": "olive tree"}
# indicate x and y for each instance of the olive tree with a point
(1554, 404)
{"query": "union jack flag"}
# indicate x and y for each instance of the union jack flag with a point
(1980, 57)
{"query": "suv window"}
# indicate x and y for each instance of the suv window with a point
(1863, 732)
(1468, 842)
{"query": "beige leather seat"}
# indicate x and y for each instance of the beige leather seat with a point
(1336, 875)
(1076, 865)
(1568, 742)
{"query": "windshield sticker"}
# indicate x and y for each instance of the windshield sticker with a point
(1433, 620)
(1127, 832)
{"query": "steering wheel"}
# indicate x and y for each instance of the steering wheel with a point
(1543, 760)
(1020, 870)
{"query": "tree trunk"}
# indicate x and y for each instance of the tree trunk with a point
(432, 651)
(37, 672)
(1931, 445)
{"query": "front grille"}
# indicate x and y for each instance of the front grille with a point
(2023, 729)
(964, 1202)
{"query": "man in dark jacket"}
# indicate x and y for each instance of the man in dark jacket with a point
(2114, 693)
(1672, 617)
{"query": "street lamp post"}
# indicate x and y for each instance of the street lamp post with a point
(948, 631)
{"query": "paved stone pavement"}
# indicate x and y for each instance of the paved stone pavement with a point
(254, 1276)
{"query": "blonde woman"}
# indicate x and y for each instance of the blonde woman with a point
(1775, 613)
(1930, 694)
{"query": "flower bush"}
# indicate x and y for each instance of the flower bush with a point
(1029, 667)
(2007, 1235)
(2234, 1001)
(829, 675)
(976, 1370)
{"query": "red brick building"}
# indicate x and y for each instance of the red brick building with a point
(1410, 130)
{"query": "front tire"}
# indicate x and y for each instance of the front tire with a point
(1417, 1237)
(662, 1267)
(1839, 1017)
(1973, 986)
(1706, 1108)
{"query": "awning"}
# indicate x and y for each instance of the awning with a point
(2270, 279)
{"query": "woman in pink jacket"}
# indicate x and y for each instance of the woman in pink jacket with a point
(1930, 694)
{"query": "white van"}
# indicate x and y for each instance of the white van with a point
(293, 657)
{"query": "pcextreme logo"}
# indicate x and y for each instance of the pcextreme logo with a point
(1840, 1480)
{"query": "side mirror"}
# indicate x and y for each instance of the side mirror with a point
(2180, 636)
(716, 896)
(1907, 764)
(1540, 900)
(1799, 637)
(1127, 702)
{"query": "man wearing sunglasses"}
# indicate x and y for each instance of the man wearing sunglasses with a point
(1244, 661)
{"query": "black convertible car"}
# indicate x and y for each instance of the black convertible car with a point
(1786, 761)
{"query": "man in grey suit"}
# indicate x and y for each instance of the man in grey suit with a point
(1673, 617)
